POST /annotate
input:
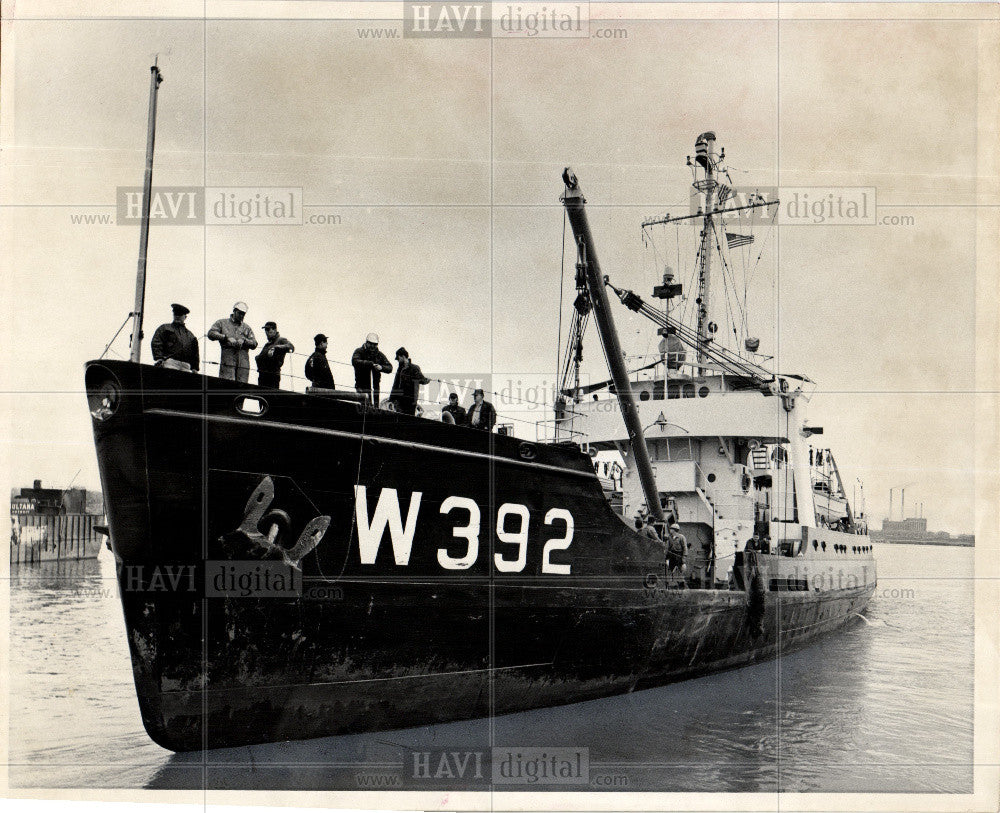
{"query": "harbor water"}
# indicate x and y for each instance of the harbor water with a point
(884, 705)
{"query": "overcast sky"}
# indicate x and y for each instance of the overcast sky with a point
(442, 159)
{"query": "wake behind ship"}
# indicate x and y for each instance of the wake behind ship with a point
(296, 565)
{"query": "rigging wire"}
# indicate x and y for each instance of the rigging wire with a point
(726, 284)
(726, 359)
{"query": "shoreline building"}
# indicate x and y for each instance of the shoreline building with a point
(48, 524)
(913, 531)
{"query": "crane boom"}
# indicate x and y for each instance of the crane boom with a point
(574, 202)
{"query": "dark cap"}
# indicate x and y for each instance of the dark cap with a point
(478, 392)
(402, 352)
(270, 324)
(319, 337)
(453, 396)
(179, 309)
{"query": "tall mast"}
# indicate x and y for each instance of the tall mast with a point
(155, 77)
(574, 202)
(704, 159)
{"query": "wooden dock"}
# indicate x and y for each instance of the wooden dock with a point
(35, 538)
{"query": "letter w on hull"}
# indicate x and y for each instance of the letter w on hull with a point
(387, 512)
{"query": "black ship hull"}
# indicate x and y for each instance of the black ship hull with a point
(294, 566)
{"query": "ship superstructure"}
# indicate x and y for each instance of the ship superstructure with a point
(729, 443)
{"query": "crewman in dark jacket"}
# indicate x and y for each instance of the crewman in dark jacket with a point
(481, 414)
(406, 388)
(317, 367)
(272, 356)
(369, 364)
(456, 410)
(175, 342)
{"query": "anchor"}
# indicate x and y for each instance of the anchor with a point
(257, 515)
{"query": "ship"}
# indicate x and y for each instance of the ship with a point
(303, 564)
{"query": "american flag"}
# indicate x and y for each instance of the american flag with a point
(738, 240)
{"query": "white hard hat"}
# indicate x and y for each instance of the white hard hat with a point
(241, 307)
(373, 338)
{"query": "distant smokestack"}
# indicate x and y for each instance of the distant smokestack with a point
(38, 485)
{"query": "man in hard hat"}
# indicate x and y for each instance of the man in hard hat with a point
(317, 367)
(174, 345)
(369, 364)
(237, 341)
(272, 356)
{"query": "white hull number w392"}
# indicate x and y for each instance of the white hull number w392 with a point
(511, 527)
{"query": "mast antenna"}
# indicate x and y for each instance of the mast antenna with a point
(155, 77)
(707, 184)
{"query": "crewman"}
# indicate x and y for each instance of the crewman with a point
(649, 529)
(481, 414)
(406, 388)
(369, 364)
(456, 410)
(272, 356)
(317, 368)
(174, 343)
(676, 548)
(697, 562)
(237, 341)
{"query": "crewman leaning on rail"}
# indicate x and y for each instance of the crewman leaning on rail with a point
(174, 345)
(237, 341)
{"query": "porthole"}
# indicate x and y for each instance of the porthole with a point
(711, 477)
(249, 405)
(703, 392)
(644, 395)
